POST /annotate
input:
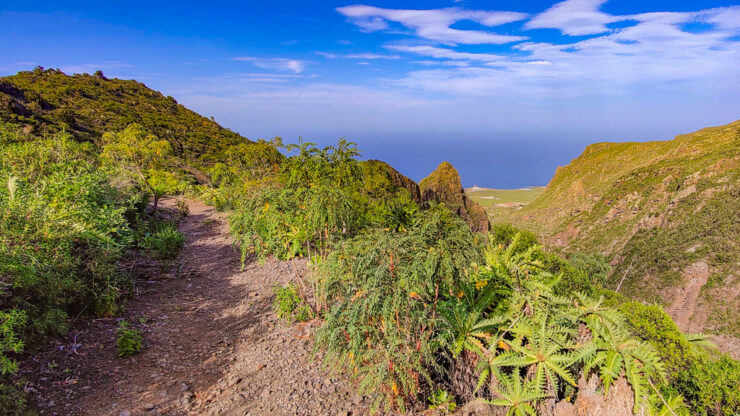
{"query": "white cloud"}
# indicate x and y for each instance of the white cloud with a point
(723, 17)
(371, 56)
(574, 17)
(364, 55)
(445, 53)
(280, 64)
(435, 24)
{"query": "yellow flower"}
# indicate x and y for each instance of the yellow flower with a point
(480, 284)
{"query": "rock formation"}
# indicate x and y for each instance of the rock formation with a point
(444, 186)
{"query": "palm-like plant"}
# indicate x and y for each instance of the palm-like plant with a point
(519, 396)
(546, 352)
(464, 331)
(511, 263)
(615, 352)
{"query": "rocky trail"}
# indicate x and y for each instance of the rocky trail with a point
(212, 343)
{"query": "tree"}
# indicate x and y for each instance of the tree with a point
(137, 151)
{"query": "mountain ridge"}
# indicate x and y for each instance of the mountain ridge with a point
(658, 210)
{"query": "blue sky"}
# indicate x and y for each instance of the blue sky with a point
(506, 91)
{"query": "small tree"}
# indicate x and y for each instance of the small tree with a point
(137, 151)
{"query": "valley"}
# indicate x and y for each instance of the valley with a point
(155, 262)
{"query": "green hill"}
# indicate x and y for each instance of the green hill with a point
(667, 215)
(86, 106)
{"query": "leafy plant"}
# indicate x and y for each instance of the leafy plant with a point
(165, 241)
(10, 323)
(289, 306)
(443, 401)
(381, 293)
(129, 340)
(136, 150)
(517, 395)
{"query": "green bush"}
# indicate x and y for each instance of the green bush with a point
(64, 223)
(164, 241)
(129, 340)
(380, 291)
(708, 381)
(289, 306)
(320, 201)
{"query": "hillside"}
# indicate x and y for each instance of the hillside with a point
(105, 292)
(665, 213)
(86, 106)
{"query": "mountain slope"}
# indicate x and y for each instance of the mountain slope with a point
(667, 214)
(47, 101)
(444, 186)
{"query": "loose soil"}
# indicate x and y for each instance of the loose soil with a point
(213, 345)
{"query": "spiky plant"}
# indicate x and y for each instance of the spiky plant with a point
(546, 352)
(615, 352)
(464, 331)
(518, 396)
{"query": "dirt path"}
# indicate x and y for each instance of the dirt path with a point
(213, 346)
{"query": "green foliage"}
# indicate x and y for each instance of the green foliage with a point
(546, 338)
(517, 395)
(381, 291)
(10, 323)
(443, 401)
(13, 400)
(706, 380)
(129, 340)
(63, 226)
(142, 154)
(86, 106)
(164, 241)
(320, 201)
(182, 208)
(289, 306)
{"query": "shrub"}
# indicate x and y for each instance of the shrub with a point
(708, 381)
(129, 340)
(164, 241)
(319, 201)
(380, 292)
(289, 306)
(182, 208)
(10, 323)
(63, 226)
(443, 401)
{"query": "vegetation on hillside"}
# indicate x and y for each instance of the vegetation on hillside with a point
(415, 306)
(66, 219)
(654, 209)
(47, 101)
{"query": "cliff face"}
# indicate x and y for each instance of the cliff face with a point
(444, 186)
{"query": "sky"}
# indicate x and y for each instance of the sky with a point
(505, 91)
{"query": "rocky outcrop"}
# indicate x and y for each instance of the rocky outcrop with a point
(444, 186)
(381, 175)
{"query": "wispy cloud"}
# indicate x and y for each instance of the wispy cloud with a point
(365, 55)
(446, 53)
(574, 17)
(282, 64)
(435, 24)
